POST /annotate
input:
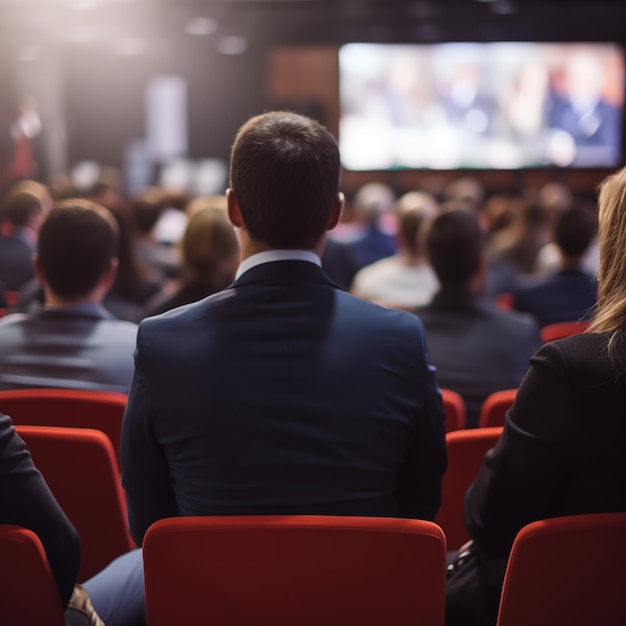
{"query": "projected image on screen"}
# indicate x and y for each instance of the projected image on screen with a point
(495, 105)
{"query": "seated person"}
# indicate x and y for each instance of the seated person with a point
(563, 448)
(569, 293)
(22, 211)
(476, 348)
(210, 258)
(406, 279)
(70, 341)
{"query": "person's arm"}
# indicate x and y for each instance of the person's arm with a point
(522, 474)
(419, 480)
(28, 502)
(145, 473)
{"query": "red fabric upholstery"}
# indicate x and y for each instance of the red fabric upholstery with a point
(286, 570)
(29, 595)
(454, 406)
(102, 410)
(81, 470)
(494, 408)
(466, 451)
(567, 570)
(561, 330)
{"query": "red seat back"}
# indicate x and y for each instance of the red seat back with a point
(81, 470)
(551, 332)
(29, 595)
(454, 406)
(494, 408)
(567, 570)
(466, 452)
(102, 410)
(286, 570)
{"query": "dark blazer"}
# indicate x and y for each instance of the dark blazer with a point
(562, 296)
(26, 500)
(562, 452)
(476, 348)
(16, 265)
(282, 394)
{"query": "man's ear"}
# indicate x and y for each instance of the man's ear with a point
(234, 213)
(335, 211)
(111, 273)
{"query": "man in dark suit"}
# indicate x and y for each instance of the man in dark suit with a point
(476, 348)
(282, 394)
(265, 397)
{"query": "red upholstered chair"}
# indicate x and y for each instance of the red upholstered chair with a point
(494, 408)
(454, 406)
(102, 410)
(567, 570)
(81, 470)
(28, 592)
(466, 451)
(562, 329)
(286, 570)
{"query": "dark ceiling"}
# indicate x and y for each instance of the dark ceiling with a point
(103, 22)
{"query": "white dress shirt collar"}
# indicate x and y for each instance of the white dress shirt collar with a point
(277, 255)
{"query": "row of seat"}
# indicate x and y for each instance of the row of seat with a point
(314, 570)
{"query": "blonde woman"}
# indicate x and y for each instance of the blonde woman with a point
(563, 449)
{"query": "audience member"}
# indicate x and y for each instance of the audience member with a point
(520, 244)
(406, 279)
(133, 286)
(563, 448)
(265, 398)
(569, 293)
(210, 258)
(366, 239)
(22, 212)
(146, 209)
(476, 348)
(70, 341)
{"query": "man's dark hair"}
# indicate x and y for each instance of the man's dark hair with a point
(455, 245)
(574, 231)
(284, 173)
(77, 240)
(146, 208)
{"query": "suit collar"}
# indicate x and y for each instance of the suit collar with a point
(288, 270)
(277, 255)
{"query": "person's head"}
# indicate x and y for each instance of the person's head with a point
(26, 204)
(414, 209)
(209, 246)
(77, 249)
(371, 201)
(455, 243)
(610, 313)
(146, 208)
(574, 231)
(284, 177)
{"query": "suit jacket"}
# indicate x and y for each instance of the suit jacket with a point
(26, 500)
(562, 452)
(562, 296)
(16, 265)
(476, 348)
(282, 394)
(79, 347)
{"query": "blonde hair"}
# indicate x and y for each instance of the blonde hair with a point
(610, 315)
(209, 245)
